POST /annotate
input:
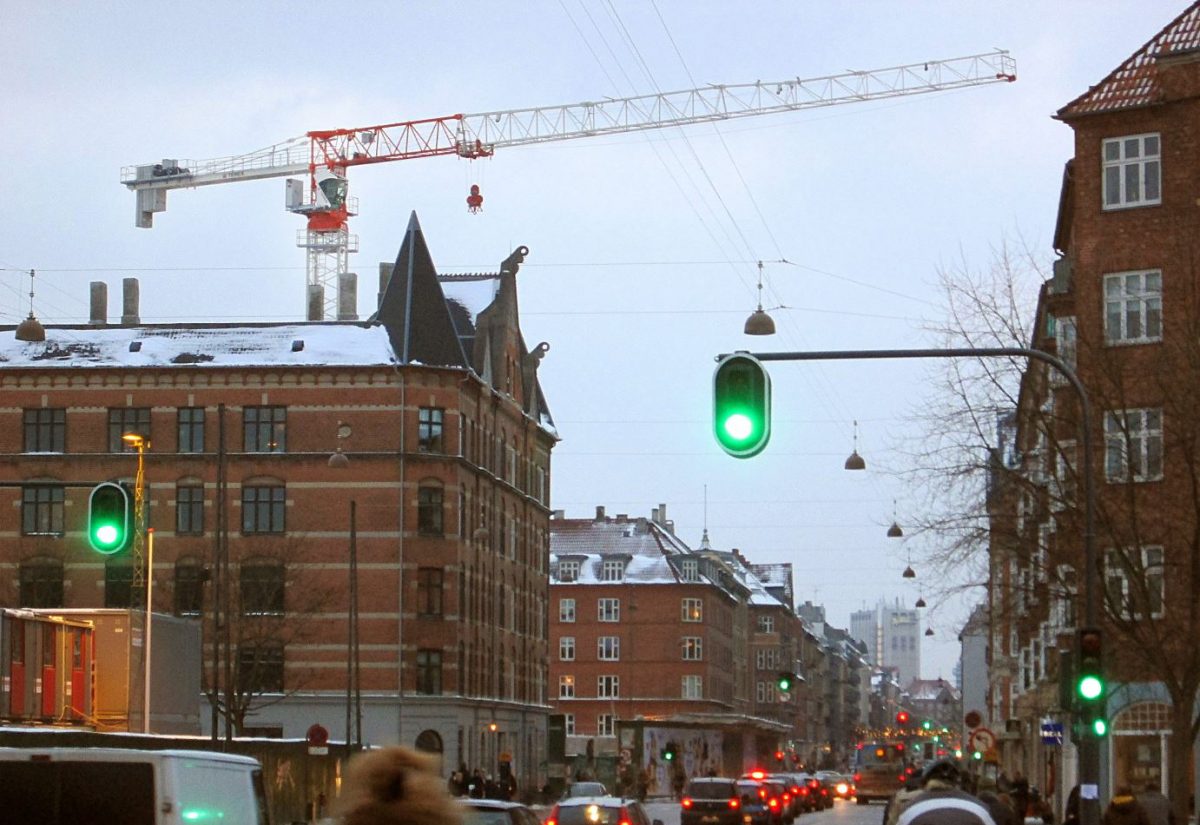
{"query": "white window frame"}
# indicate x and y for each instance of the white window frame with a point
(691, 687)
(766, 624)
(1152, 562)
(608, 686)
(608, 648)
(612, 570)
(605, 725)
(569, 723)
(692, 610)
(1139, 431)
(693, 649)
(568, 570)
(1066, 346)
(1129, 162)
(608, 610)
(566, 610)
(1134, 297)
(566, 648)
(689, 570)
(566, 687)
(1065, 589)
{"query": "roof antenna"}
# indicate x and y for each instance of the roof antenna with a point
(705, 544)
(31, 329)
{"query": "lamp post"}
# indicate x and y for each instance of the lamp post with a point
(1089, 748)
(340, 461)
(143, 574)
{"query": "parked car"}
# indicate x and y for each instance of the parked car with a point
(711, 801)
(496, 812)
(755, 805)
(599, 810)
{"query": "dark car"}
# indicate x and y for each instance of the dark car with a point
(599, 810)
(495, 812)
(818, 793)
(756, 809)
(829, 782)
(711, 801)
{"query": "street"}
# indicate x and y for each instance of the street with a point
(842, 813)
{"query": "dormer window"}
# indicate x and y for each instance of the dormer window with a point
(568, 571)
(613, 570)
(689, 570)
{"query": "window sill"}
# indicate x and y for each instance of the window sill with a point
(1131, 342)
(1121, 207)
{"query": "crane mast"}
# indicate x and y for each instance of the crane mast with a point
(323, 157)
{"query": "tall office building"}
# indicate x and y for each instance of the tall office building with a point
(893, 636)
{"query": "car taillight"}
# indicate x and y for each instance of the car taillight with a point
(857, 777)
(624, 820)
(902, 777)
(804, 791)
(842, 788)
(687, 802)
(762, 793)
(773, 802)
(734, 803)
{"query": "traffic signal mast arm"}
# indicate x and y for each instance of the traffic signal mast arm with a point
(479, 135)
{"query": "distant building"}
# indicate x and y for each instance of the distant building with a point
(892, 635)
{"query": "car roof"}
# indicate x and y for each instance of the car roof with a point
(707, 779)
(492, 804)
(603, 801)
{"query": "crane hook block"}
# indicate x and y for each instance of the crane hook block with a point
(474, 200)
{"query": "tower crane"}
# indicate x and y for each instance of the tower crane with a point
(323, 157)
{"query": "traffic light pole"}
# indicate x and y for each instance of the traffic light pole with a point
(1089, 746)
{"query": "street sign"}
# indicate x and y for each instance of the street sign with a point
(1052, 733)
(982, 739)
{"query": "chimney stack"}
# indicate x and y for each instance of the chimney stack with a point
(99, 304)
(347, 296)
(385, 275)
(599, 512)
(129, 310)
(316, 302)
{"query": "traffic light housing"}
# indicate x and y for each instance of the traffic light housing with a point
(741, 405)
(668, 752)
(902, 718)
(1090, 687)
(110, 518)
(785, 681)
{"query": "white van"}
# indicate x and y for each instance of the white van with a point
(116, 786)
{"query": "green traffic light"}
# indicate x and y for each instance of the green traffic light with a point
(1090, 687)
(106, 534)
(109, 522)
(739, 427)
(927, 724)
(741, 405)
(1100, 727)
(785, 683)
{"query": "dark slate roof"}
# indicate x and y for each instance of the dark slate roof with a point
(414, 309)
(1135, 82)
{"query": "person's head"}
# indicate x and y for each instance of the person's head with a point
(943, 770)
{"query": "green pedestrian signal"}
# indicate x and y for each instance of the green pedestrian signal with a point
(1090, 687)
(110, 518)
(741, 405)
(668, 753)
(785, 681)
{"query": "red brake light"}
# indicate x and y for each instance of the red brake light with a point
(687, 802)
(902, 777)
(762, 793)
(857, 777)
(734, 803)
(624, 818)
(804, 791)
(900, 746)
(773, 802)
(758, 774)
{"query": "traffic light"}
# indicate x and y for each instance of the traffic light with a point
(741, 405)
(927, 725)
(1090, 687)
(785, 681)
(668, 752)
(902, 718)
(110, 518)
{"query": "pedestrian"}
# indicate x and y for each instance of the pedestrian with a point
(1157, 807)
(1071, 814)
(677, 782)
(1123, 809)
(1000, 808)
(941, 800)
(1038, 808)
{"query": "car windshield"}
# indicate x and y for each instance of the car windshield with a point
(587, 789)
(485, 816)
(589, 815)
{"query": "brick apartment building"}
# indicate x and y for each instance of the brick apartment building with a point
(654, 643)
(441, 496)
(1121, 308)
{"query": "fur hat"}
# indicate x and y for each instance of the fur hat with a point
(396, 786)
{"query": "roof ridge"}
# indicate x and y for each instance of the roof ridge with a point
(1130, 84)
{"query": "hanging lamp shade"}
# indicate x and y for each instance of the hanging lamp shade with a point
(759, 323)
(920, 602)
(339, 460)
(31, 329)
(909, 573)
(929, 631)
(855, 462)
(894, 532)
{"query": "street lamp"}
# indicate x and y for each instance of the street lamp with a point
(139, 443)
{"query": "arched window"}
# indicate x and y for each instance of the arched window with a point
(118, 585)
(429, 741)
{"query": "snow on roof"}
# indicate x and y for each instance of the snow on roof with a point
(591, 542)
(217, 345)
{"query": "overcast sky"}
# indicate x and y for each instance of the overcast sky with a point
(642, 247)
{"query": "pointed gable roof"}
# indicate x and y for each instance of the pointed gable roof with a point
(414, 309)
(1135, 82)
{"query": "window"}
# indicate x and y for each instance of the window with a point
(264, 429)
(613, 570)
(123, 420)
(429, 510)
(1133, 445)
(608, 687)
(41, 583)
(767, 658)
(429, 591)
(566, 610)
(261, 587)
(45, 431)
(1133, 307)
(765, 693)
(429, 429)
(1131, 171)
(1134, 582)
(189, 510)
(568, 571)
(566, 649)
(1066, 345)
(692, 688)
(260, 668)
(766, 624)
(693, 610)
(42, 510)
(608, 610)
(191, 429)
(1065, 589)
(569, 723)
(190, 576)
(566, 687)
(263, 508)
(689, 570)
(693, 649)
(605, 725)
(118, 585)
(429, 672)
(608, 648)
